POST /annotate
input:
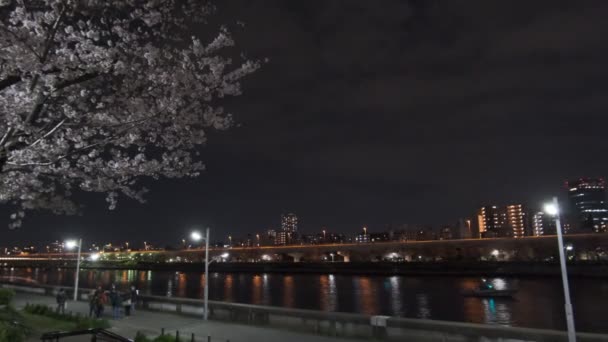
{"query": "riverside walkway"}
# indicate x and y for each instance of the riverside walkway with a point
(151, 323)
(243, 322)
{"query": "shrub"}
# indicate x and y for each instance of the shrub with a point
(140, 337)
(6, 295)
(81, 321)
(165, 338)
(11, 333)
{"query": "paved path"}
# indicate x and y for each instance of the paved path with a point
(151, 323)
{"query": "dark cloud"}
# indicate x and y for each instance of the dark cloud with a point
(387, 112)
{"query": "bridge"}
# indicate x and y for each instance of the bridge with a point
(584, 247)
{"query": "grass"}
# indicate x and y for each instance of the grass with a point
(42, 324)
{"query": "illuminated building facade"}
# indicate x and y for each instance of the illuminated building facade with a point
(516, 220)
(289, 223)
(588, 205)
(495, 222)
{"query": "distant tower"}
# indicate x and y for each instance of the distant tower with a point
(588, 205)
(289, 223)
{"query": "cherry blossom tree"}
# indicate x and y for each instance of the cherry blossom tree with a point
(97, 94)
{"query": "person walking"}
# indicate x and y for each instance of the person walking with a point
(134, 297)
(101, 300)
(61, 299)
(116, 302)
(93, 303)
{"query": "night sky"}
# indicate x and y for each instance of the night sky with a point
(378, 112)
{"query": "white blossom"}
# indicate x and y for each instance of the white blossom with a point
(96, 94)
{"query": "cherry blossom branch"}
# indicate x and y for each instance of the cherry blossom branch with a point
(9, 81)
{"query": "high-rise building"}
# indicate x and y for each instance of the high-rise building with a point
(516, 220)
(495, 222)
(491, 221)
(289, 223)
(588, 205)
(543, 224)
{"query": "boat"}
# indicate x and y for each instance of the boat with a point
(489, 293)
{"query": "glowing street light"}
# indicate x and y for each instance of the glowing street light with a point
(553, 210)
(94, 257)
(197, 236)
(332, 256)
(71, 244)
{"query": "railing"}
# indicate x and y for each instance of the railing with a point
(342, 324)
(357, 325)
(95, 333)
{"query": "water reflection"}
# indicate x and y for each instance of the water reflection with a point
(228, 288)
(424, 309)
(365, 295)
(328, 298)
(395, 296)
(201, 286)
(288, 291)
(537, 303)
(266, 290)
(256, 289)
(181, 285)
(170, 288)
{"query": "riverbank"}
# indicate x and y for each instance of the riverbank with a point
(485, 268)
(263, 323)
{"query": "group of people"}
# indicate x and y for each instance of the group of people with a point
(119, 301)
(99, 298)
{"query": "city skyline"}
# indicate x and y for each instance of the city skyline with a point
(584, 210)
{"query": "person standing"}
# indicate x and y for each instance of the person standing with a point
(61, 299)
(116, 302)
(134, 297)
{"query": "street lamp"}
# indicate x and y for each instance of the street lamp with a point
(196, 236)
(70, 244)
(332, 256)
(553, 210)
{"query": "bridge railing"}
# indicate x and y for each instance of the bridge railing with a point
(348, 325)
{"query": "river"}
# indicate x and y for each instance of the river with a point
(538, 303)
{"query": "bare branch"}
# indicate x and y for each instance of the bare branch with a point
(51, 36)
(79, 79)
(49, 133)
(7, 135)
(9, 81)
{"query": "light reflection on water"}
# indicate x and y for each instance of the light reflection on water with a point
(537, 304)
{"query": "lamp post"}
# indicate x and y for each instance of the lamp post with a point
(69, 245)
(553, 209)
(196, 236)
(332, 256)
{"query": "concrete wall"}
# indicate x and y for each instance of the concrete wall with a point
(339, 324)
